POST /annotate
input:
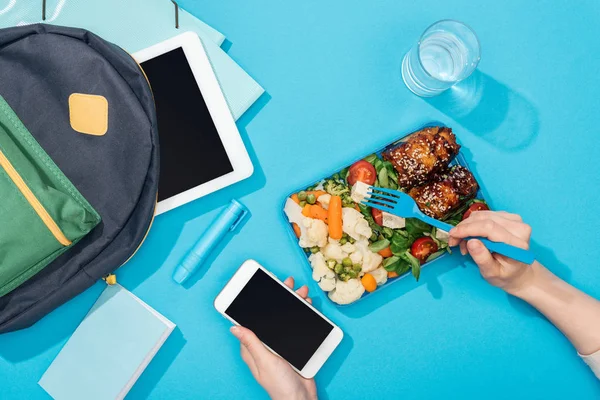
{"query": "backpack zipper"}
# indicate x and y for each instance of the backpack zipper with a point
(33, 201)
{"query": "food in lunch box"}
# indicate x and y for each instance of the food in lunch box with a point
(422, 155)
(445, 192)
(354, 249)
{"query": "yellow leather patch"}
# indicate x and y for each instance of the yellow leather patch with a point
(88, 113)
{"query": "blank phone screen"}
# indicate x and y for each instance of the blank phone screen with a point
(191, 151)
(281, 320)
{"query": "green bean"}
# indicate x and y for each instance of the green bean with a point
(302, 204)
(314, 249)
(347, 262)
(343, 241)
(302, 195)
(351, 240)
(374, 237)
(339, 268)
(357, 267)
(311, 199)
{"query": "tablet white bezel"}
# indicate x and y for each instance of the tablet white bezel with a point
(219, 111)
(239, 281)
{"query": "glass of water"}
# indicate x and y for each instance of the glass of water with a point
(447, 52)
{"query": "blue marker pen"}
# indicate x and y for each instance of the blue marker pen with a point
(226, 222)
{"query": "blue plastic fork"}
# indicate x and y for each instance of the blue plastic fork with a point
(402, 205)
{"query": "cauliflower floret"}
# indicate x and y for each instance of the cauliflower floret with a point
(355, 224)
(313, 232)
(324, 200)
(356, 257)
(316, 233)
(347, 292)
(333, 251)
(370, 260)
(321, 273)
(359, 192)
(380, 275)
(348, 248)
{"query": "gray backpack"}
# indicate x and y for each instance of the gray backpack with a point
(115, 169)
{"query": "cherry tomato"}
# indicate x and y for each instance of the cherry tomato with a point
(362, 171)
(423, 247)
(475, 207)
(377, 216)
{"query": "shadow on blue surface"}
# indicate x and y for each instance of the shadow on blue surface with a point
(429, 277)
(159, 365)
(332, 366)
(50, 330)
(491, 110)
(226, 46)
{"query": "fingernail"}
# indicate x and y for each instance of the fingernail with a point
(453, 231)
(463, 251)
(236, 331)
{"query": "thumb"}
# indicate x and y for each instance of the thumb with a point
(252, 343)
(483, 258)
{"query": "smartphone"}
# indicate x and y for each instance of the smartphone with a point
(288, 326)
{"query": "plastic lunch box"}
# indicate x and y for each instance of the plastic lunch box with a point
(459, 160)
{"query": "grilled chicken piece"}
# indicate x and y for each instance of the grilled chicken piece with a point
(446, 192)
(425, 153)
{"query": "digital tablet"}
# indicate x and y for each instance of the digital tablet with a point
(201, 150)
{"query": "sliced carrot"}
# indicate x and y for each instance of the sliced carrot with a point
(335, 217)
(385, 253)
(297, 230)
(369, 282)
(317, 193)
(392, 274)
(306, 211)
(295, 198)
(318, 212)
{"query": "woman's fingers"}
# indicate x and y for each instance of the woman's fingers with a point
(510, 222)
(463, 248)
(308, 300)
(303, 291)
(488, 266)
(249, 360)
(487, 228)
(253, 345)
(289, 282)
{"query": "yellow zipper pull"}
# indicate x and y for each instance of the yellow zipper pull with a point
(110, 279)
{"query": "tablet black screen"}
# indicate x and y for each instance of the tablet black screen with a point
(191, 151)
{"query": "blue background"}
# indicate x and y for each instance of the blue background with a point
(528, 122)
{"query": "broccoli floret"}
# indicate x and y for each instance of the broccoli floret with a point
(336, 188)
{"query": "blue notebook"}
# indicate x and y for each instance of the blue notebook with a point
(109, 350)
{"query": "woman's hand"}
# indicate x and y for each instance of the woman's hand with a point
(498, 226)
(273, 373)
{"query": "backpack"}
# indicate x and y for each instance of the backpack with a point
(41, 66)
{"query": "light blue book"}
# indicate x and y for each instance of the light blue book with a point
(109, 350)
(135, 25)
